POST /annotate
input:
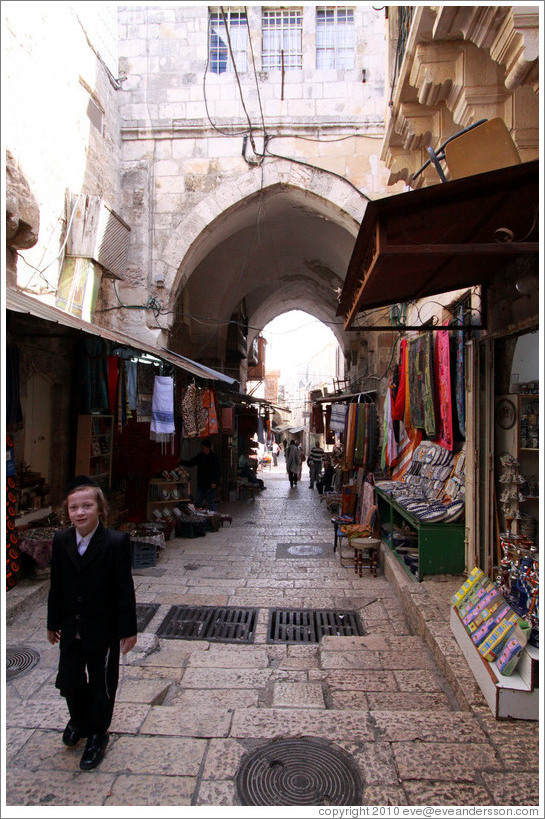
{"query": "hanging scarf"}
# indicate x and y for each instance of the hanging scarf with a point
(459, 376)
(162, 410)
(443, 396)
(389, 446)
(338, 417)
(398, 409)
(145, 375)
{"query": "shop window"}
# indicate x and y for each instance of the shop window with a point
(231, 25)
(335, 37)
(282, 31)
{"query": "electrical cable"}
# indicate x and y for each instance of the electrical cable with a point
(237, 75)
(255, 75)
(214, 126)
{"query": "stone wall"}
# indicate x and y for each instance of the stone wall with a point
(52, 81)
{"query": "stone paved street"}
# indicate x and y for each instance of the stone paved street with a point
(400, 700)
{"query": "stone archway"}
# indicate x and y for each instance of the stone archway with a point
(284, 245)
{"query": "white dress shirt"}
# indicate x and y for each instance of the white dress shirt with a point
(83, 542)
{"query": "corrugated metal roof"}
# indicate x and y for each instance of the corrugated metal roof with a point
(21, 302)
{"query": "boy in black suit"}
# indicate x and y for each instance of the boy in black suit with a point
(91, 612)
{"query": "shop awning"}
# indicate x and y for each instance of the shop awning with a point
(21, 302)
(442, 238)
(343, 396)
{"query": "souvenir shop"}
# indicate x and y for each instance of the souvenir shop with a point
(118, 410)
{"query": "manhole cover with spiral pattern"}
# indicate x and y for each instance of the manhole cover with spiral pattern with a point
(19, 660)
(298, 772)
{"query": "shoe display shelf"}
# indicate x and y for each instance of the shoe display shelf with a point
(439, 547)
(166, 494)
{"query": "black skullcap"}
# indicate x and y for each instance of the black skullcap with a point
(79, 481)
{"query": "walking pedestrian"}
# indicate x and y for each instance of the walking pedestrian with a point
(293, 463)
(315, 459)
(208, 474)
(91, 613)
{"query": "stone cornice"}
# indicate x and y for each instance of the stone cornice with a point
(172, 129)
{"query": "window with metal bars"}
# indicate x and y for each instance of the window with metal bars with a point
(234, 27)
(282, 32)
(335, 37)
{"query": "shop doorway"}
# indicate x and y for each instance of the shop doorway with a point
(36, 407)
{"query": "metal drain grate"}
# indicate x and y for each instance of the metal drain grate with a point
(298, 772)
(226, 624)
(20, 660)
(310, 625)
(144, 614)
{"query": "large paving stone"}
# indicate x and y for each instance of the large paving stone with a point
(49, 789)
(406, 726)
(159, 791)
(386, 701)
(223, 759)
(513, 788)
(128, 717)
(384, 795)
(350, 659)
(356, 680)
(405, 660)
(444, 761)
(230, 657)
(284, 722)
(15, 740)
(413, 681)
(225, 678)
(377, 764)
(143, 691)
(45, 750)
(163, 756)
(217, 793)
(298, 695)
(178, 721)
(446, 793)
(228, 698)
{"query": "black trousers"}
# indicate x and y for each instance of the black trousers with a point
(88, 681)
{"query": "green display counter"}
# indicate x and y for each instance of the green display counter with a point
(440, 545)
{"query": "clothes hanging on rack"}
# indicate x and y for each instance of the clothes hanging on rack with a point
(398, 408)
(145, 376)
(459, 377)
(421, 384)
(162, 427)
(389, 445)
(443, 395)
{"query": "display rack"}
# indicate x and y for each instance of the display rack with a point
(178, 491)
(94, 448)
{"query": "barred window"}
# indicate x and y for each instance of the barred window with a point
(218, 47)
(282, 31)
(335, 37)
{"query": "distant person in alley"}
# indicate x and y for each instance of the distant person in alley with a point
(91, 613)
(315, 460)
(293, 463)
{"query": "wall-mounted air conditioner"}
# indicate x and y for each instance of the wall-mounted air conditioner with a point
(97, 232)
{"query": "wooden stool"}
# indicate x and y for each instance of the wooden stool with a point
(365, 554)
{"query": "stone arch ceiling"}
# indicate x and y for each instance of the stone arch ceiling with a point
(280, 249)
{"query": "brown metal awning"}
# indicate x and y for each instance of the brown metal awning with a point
(442, 238)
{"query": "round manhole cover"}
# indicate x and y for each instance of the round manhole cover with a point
(19, 660)
(298, 772)
(305, 550)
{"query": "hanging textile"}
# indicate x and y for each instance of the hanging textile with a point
(145, 376)
(408, 418)
(130, 369)
(260, 431)
(113, 375)
(459, 378)
(329, 433)
(317, 419)
(228, 420)
(421, 384)
(13, 555)
(350, 435)
(398, 408)
(338, 417)
(14, 413)
(162, 427)
(409, 439)
(443, 395)
(93, 376)
(371, 435)
(367, 501)
(123, 409)
(189, 411)
(209, 425)
(389, 445)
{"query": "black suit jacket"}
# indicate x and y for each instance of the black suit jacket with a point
(92, 595)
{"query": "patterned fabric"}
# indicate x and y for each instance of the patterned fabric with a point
(409, 439)
(421, 383)
(389, 445)
(350, 439)
(398, 408)
(13, 557)
(443, 391)
(162, 427)
(459, 379)
(145, 377)
(338, 417)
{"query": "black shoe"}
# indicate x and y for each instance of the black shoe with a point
(94, 751)
(71, 736)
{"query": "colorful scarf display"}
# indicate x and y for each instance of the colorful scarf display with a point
(443, 394)
(389, 445)
(398, 408)
(422, 404)
(459, 375)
